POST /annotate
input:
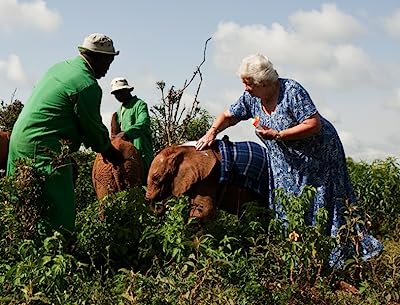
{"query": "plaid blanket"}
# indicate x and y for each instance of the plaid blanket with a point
(245, 164)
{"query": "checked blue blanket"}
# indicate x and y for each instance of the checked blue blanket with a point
(245, 164)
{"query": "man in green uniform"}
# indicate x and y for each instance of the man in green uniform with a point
(65, 105)
(134, 120)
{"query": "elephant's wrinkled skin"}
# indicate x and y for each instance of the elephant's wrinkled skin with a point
(177, 170)
(108, 179)
(4, 143)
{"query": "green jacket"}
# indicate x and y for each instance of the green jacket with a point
(65, 104)
(134, 120)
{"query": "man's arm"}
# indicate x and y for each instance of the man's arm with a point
(87, 110)
(136, 121)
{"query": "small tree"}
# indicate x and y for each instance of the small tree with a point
(9, 114)
(171, 121)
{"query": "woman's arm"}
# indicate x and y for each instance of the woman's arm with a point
(223, 121)
(307, 128)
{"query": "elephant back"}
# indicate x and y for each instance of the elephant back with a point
(127, 149)
(131, 172)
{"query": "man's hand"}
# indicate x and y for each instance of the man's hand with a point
(112, 155)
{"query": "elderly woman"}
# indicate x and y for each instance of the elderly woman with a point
(303, 147)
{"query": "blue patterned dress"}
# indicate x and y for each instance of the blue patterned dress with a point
(317, 161)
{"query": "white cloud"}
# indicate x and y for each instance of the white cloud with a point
(11, 69)
(329, 24)
(359, 150)
(26, 15)
(350, 67)
(351, 143)
(329, 114)
(310, 49)
(392, 24)
(394, 102)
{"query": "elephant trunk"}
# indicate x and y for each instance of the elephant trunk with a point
(158, 208)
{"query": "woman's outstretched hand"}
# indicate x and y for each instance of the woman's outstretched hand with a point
(206, 140)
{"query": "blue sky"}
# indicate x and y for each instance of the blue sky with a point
(345, 53)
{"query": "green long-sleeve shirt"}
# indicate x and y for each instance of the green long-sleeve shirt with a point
(134, 119)
(65, 104)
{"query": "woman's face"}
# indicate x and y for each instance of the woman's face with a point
(265, 90)
(258, 90)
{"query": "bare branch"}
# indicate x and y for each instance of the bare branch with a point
(171, 119)
(198, 68)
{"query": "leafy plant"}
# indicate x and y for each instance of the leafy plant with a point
(9, 114)
(84, 191)
(378, 192)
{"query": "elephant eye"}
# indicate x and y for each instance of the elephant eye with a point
(156, 179)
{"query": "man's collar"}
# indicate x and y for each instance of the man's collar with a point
(88, 63)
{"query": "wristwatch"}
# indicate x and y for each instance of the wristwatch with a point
(278, 136)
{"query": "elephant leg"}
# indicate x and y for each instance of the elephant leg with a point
(102, 178)
(203, 197)
(202, 207)
(234, 197)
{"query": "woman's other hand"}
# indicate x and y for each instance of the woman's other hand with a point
(266, 133)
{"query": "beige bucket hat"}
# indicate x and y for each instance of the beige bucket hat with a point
(98, 43)
(119, 83)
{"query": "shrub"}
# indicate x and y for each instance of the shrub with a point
(377, 188)
(132, 257)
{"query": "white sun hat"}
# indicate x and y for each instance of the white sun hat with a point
(98, 43)
(119, 83)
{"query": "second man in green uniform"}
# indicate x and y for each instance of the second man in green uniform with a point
(134, 120)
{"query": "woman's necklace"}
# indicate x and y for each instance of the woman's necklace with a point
(270, 102)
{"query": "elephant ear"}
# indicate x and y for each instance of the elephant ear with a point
(195, 166)
(115, 128)
(126, 148)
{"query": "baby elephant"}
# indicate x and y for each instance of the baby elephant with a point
(178, 170)
(108, 179)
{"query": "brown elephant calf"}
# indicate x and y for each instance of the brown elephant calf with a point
(108, 179)
(178, 170)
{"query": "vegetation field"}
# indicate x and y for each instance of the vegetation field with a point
(133, 257)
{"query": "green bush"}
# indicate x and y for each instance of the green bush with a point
(84, 192)
(378, 192)
(9, 114)
(129, 256)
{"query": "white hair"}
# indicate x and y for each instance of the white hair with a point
(258, 68)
